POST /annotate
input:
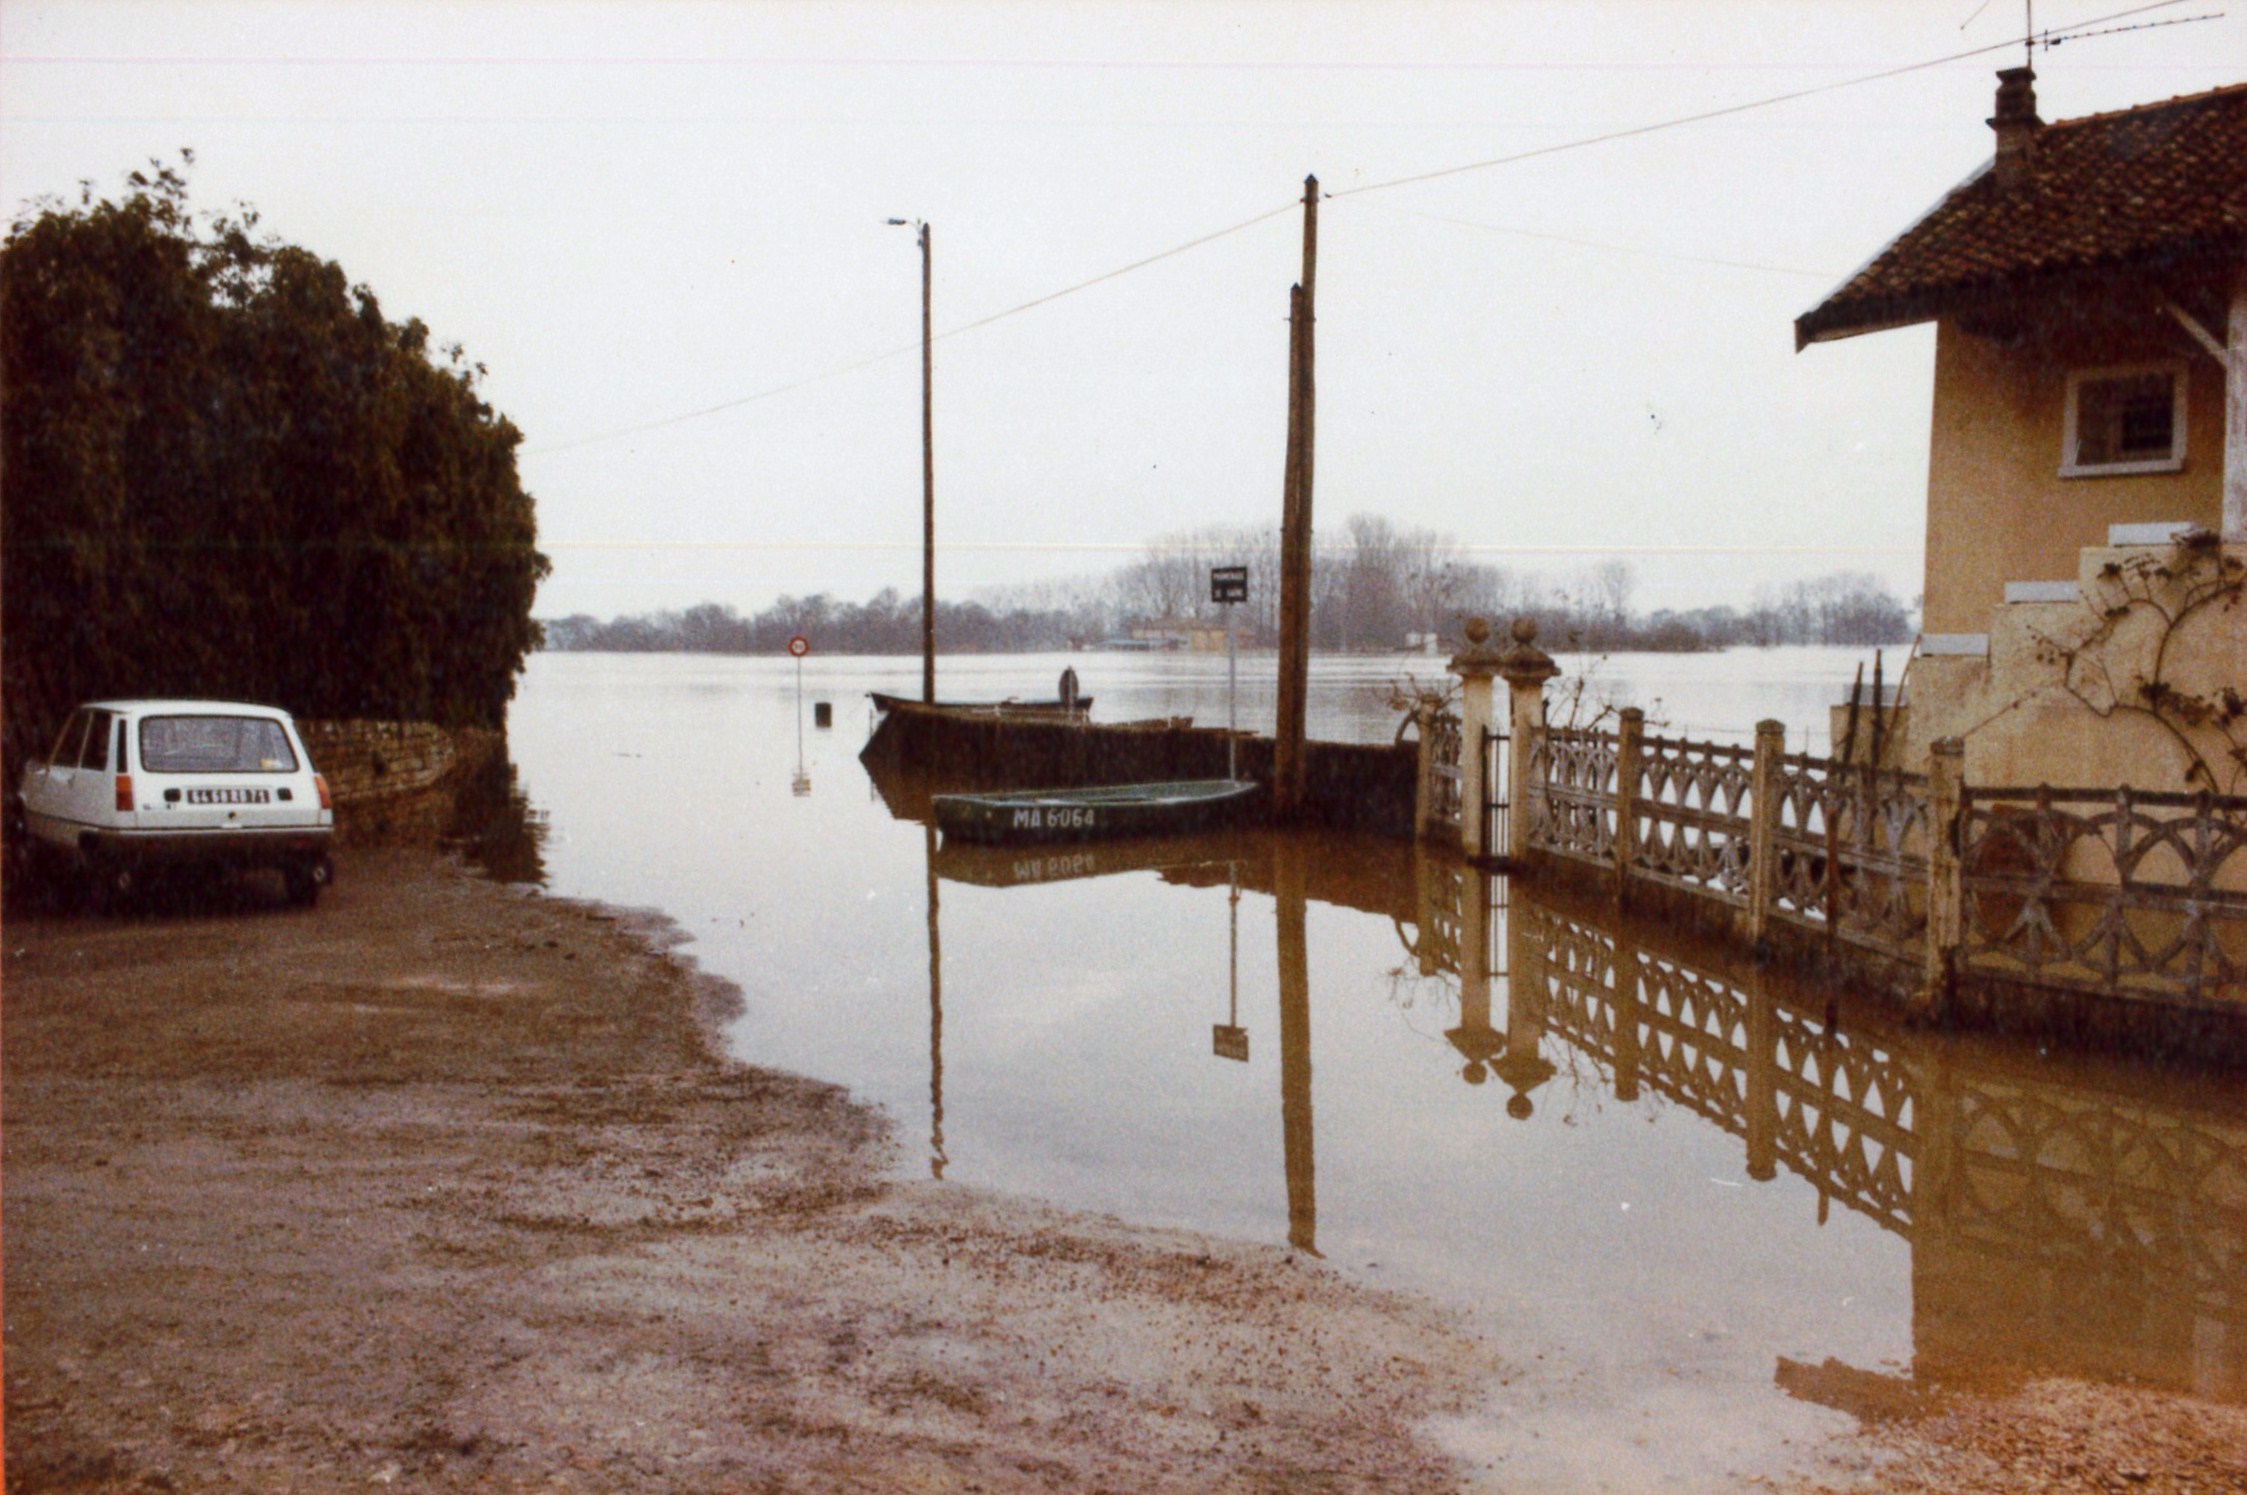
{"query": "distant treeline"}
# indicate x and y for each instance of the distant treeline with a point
(1373, 589)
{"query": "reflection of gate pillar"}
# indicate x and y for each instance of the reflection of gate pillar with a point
(1477, 1041)
(1524, 1066)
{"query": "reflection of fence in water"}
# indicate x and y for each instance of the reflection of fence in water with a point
(2082, 1234)
(2053, 1223)
(1832, 1107)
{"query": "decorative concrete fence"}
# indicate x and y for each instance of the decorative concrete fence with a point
(1916, 881)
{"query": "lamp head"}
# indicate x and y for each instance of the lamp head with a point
(897, 222)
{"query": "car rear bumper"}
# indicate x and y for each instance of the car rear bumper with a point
(240, 848)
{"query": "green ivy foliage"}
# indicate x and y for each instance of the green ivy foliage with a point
(227, 475)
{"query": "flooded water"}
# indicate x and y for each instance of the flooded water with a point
(1711, 1213)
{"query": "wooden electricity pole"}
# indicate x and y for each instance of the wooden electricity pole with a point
(928, 496)
(1295, 526)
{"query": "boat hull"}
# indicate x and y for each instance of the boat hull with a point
(1066, 710)
(1094, 813)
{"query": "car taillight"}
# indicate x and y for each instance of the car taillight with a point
(320, 782)
(124, 793)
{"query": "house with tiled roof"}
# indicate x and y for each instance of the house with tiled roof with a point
(2087, 473)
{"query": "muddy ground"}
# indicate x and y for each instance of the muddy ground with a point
(443, 1186)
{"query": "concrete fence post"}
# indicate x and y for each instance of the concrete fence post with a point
(1526, 668)
(1629, 743)
(1474, 665)
(1424, 781)
(1763, 829)
(1474, 744)
(1946, 883)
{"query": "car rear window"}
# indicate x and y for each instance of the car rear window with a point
(215, 744)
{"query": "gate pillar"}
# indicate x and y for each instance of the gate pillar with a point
(1525, 668)
(1475, 665)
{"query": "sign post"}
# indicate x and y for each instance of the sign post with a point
(1228, 585)
(798, 647)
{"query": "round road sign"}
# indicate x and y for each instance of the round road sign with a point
(799, 646)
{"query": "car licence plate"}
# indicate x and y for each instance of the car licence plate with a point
(230, 796)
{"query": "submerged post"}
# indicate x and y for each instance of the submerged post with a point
(1424, 775)
(1946, 883)
(1629, 744)
(1763, 829)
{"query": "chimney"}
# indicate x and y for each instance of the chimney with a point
(2016, 125)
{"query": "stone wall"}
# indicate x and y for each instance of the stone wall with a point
(397, 781)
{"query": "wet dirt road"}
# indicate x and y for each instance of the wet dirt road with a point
(441, 1186)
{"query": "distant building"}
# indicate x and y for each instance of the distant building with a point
(2087, 478)
(1190, 634)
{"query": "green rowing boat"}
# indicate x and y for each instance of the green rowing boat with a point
(1081, 814)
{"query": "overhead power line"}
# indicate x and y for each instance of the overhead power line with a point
(1662, 254)
(2049, 37)
(913, 347)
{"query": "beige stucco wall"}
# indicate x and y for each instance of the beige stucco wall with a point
(1997, 508)
(2030, 717)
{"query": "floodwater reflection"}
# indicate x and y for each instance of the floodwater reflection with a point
(1669, 1174)
(2062, 1216)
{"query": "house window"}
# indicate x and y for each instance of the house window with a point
(2125, 420)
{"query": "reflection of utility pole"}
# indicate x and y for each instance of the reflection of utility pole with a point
(936, 1158)
(1295, 1046)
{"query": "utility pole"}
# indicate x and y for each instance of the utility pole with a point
(1295, 526)
(928, 495)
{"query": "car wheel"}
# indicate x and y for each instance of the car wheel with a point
(21, 867)
(115, 886)
(307, 880)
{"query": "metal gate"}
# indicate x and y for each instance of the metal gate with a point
(1497, 818)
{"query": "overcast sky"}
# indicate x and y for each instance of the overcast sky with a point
(630, 212)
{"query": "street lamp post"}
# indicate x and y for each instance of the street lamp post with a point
(928, 482)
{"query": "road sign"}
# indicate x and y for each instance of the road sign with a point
(799, 646)
(1228, 583)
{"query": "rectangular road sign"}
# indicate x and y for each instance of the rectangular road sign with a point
(1228, 583)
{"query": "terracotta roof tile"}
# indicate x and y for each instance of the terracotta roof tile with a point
(2102, 191)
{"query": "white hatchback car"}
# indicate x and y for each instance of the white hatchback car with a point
(135, 786)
